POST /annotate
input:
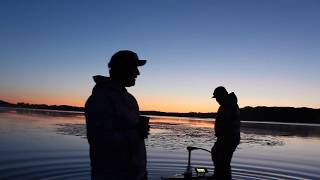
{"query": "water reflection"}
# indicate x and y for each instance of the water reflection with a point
(72, 129)
(52, 145)
(41, 112)
(175, 133)
(281, 129)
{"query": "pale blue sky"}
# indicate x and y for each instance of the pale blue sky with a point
(266, 51)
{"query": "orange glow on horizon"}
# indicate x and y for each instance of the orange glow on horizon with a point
(49, 101)
(145, 105)
(163, 104)
(177, 104)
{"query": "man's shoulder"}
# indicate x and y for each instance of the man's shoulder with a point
(100, 97)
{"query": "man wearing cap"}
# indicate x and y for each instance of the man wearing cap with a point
(227, 131)
(115, 129)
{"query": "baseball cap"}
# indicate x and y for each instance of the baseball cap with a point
(219, 91)
(125, 58)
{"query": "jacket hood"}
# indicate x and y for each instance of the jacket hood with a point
(103, 83)
(98, 79)
(232, 98)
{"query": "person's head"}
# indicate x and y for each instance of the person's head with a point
(123, 67)
(220, 93)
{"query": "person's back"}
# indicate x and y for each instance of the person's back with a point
(227, 124)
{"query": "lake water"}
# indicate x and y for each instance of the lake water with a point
(37, 144)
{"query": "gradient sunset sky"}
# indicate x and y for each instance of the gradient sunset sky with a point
(266, 51)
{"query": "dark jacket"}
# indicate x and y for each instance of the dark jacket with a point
(112, 115)
(227, 124)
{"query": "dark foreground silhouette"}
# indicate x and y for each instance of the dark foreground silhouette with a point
(115, 129)
(227, 131)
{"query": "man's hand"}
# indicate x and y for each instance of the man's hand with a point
(143, 126)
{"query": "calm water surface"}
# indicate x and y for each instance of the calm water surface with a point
(52, 145)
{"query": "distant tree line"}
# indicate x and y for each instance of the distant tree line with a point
(41, 106)
(260, 113)
(189, 114)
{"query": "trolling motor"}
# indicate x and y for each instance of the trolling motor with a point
(187, 175)
(200, 171)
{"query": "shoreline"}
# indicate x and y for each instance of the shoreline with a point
(301, 115)
(210, 119)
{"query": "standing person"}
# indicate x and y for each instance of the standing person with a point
(227, 131)
(115, 129)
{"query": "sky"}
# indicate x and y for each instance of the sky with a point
(267, 51)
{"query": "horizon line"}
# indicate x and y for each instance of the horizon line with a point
(26, 103)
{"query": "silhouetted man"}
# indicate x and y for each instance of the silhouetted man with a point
(115, 130)
(227, 131)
